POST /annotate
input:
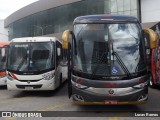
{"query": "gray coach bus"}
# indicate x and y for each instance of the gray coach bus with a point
(107, 60)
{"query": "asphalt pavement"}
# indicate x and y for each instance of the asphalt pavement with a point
(58, 101)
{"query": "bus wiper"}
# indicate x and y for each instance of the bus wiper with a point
(104, 56)
(21, 63)
(121, 63)
(125, 69)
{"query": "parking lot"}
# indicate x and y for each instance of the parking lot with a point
(58, 101)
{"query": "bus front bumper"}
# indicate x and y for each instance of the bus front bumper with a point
(31, 85)
(85, 97)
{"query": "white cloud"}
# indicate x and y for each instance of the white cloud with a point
(7, 7)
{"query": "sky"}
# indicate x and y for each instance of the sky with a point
(8, 7)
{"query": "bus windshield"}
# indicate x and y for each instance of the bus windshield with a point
(31, 57)
(3, 53)
(108, 49)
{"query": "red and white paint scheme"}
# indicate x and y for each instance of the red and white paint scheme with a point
(155, 67)
(3, 56)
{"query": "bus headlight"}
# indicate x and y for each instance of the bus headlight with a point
(80, 86)
(142, 85)
(48, 76)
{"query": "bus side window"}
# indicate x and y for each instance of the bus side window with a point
(147, 47)
(147, 43)
(58, 50)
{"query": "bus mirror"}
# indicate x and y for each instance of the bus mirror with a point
(58, 51)
(65, 39)
(153, 38)
(3, 52)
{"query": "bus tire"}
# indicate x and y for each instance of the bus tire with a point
(60, 82)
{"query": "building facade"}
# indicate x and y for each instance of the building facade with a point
(50, 17)
(150, 11)
(3, 32)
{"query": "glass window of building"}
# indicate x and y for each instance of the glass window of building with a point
(113, 5)
(134, 4)
(127, 5)
(58, 19)
(120, 5)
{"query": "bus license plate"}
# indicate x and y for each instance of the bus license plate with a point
(29, 88)
(111, 102)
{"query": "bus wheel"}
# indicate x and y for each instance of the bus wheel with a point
(60, 80)
(151, 84)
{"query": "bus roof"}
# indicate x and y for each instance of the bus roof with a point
(105, 18)
(4, 43)
(35, 39)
